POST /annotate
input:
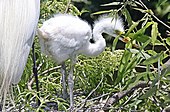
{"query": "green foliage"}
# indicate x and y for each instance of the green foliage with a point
(89, 71)
(51, 7)
(145, 36)
(146, 48)
(163, 8)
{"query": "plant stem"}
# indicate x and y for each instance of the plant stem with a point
(152, 14)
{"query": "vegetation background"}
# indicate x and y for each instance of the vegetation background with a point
(130, 75)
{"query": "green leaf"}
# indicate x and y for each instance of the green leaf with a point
(141, 38)
(122, 67)
(168, 41)
(137, 79)
(145, 44)
(142, 30)
(165, 71)
(157, 42)
(154, 32)
(169, 16)
(152, 52)
(141, 10)
(161, 2)
(102, 12)
(149, 93)
(115, 42)
(113, 3)
(128, 45)
(142, 54)
(134, 25)
(152, 59)
(127, 16)
(133, 62)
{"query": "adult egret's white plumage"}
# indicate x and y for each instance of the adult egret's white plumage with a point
(18, 21)
(65, 36)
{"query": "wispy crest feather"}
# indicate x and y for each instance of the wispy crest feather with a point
(106, 18)
(18, 20)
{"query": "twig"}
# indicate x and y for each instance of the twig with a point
(130, 98)
(114, 98)
(154, 15)
(85, 100)
(29, 84)
(49, 70)
(117, 96)
(144, 67)
(101, 96)
(31, 80)
(95, 88)
(154, 100)
(67, 7)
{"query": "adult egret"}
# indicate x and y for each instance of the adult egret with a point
(18, 21)
(65, 36)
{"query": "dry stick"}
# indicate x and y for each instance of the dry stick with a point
(117, 96)
(154, 15)
(144, 67)
(101, 96)
(85, 100)
(31, 80)
(130, 98)
(49, 70)
(67, 7)
(154, 100)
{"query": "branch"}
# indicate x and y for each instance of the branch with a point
(85, 100)
(117, 96)
(98, 97)
(152, 14)
(49, 70)
(68, 5)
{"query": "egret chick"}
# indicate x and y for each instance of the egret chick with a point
(65, 36)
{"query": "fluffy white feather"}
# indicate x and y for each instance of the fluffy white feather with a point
(62, 35)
